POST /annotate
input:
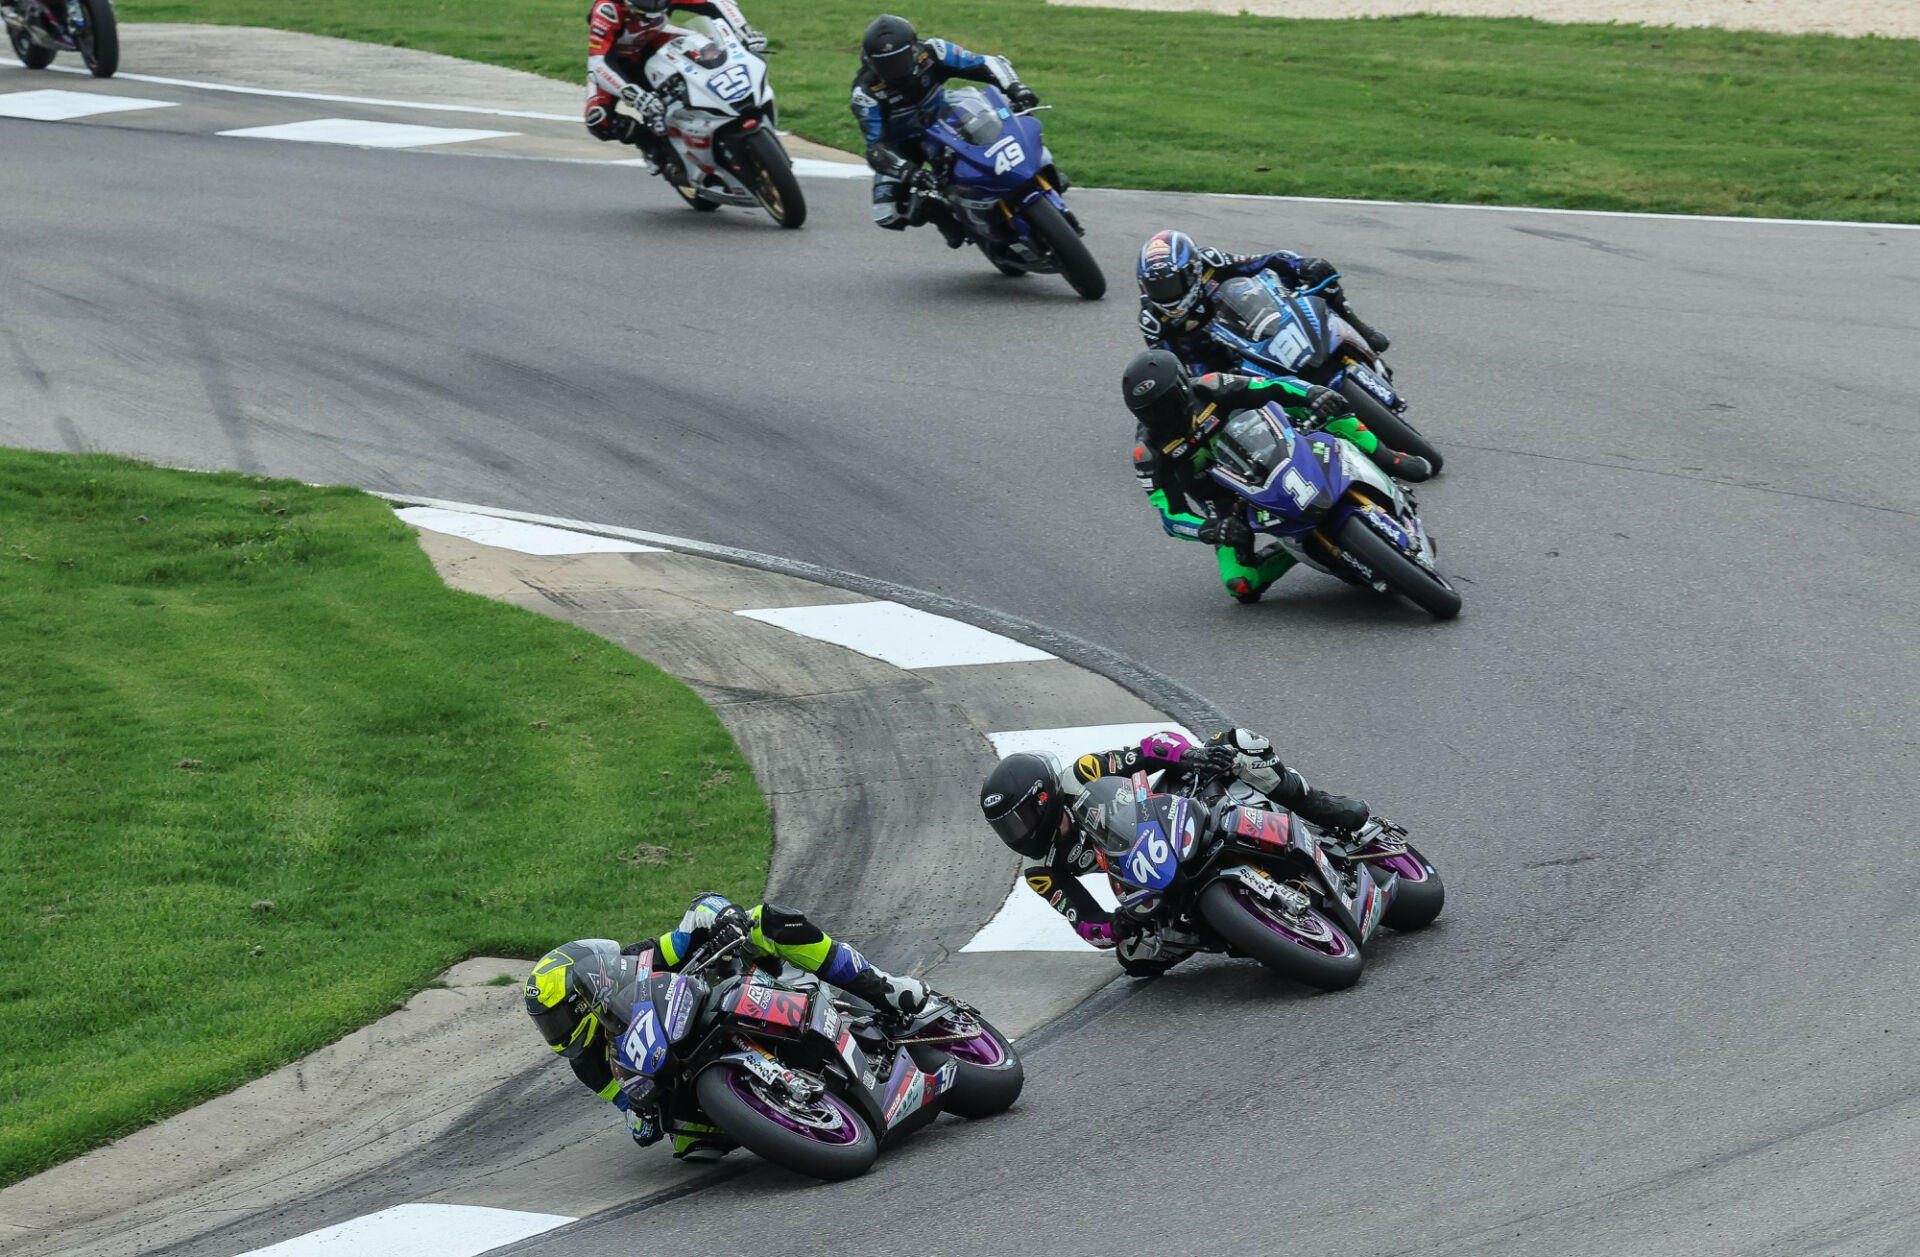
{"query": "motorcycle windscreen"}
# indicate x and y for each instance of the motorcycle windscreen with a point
(1140, 837)
(973, 116)
(1290, 473)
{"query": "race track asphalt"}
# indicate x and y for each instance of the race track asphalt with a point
(1666, 758)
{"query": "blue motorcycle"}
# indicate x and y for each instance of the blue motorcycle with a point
(991, 166)
(1277, 331)
(1324, 501)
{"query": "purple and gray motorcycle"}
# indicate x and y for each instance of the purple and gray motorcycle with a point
(1245, 876)
(40, 30)
(805, 1075)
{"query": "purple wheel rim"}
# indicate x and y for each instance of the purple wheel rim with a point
(828, 1122)
(1409, 866)
(1333, 943)
(982, 1049)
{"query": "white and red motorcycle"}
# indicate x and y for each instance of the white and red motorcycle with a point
(720, 119)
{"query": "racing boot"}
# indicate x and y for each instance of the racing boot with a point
(905, 996)
(644, 1126)
(698, 1142)
(1248, 581)
(1408, 467)
(1376, 340)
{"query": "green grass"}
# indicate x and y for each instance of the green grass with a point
(1496, 111)
(262, 776)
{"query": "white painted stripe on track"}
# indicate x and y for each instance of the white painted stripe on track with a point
(1026, 922)
(418, 1231)
(360, 133)
(1067, 745)
(903, 636)
(1735, 219)
(327, 98)
(53, 105)
(511, 534)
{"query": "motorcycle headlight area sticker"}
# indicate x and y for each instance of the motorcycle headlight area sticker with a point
(1007, 154)
(731, 83)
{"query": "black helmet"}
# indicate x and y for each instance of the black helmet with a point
(1021, 799)
(561, 997)
(888, 48)
(1156, 390)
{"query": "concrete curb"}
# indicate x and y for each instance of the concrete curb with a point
(871, 770)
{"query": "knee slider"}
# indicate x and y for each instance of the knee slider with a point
(786, 927)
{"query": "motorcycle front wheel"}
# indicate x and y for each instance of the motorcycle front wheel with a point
(770, 175)
(99, 43)
(988, 1075)
(1069, 251)
(1400, 574)
(1309, 948)
(823, 1138)
(1420, 894)
(32, 55)
(1388, 426)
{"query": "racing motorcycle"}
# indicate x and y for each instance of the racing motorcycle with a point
(41, 29)
(806, 1076)
(1279, 331)
(1235, 871)
(720, 119)
(1327, 503)
(992, 169)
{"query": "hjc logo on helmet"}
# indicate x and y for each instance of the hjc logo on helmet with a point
(992, 800)
(1144, 387)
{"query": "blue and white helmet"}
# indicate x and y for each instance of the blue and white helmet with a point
(1170, 272)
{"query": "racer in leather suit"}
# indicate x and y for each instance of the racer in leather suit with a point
(1178, 416)
(621, 35)
(1178, 280)
(563, 1009)
(1038, 815)
(896, 96)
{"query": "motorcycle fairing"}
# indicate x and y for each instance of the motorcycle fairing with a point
(1000, 164)
(1263, 828)
(642, 1046)
(910, 1089)
(768, 1007)
(832, 1025)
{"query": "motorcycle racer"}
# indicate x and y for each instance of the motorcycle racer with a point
(1177, 416)
(1040, 817)
(563, 1008)
(1178, 280)
(621, 35)
(896, 97)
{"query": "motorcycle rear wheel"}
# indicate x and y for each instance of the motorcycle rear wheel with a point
(988, 1076)
(32, 55)
(1390, 427)
(1069, 251)
(830, 1142)
(1401, 574)
(770, 174)
(100, 45)
(1318, 954)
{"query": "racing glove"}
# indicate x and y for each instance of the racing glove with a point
(752, 40)
(1231, 532)
(1022, 97)
(1208, 761)
(924, 182)
(1325, 403)
(1315, 271)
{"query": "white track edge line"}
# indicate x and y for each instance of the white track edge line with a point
(330, 99)
(1224, 196)
(1736, 219)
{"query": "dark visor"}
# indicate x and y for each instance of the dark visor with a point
(897, 64)
(1167, 289)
